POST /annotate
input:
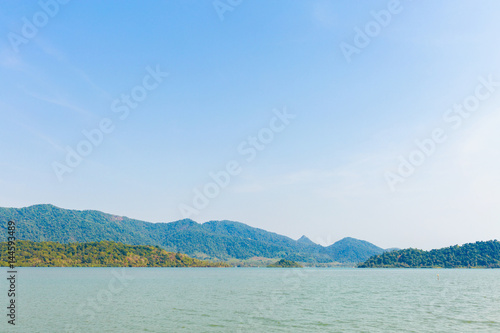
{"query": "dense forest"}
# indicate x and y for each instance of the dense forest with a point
(472, 255)
(96, 254)
(283, 263)
(214, 240)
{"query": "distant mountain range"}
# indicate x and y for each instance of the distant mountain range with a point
(215, 240)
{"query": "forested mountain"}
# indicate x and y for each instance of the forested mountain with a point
(479, 254)
(96, 254)
(305, 240)
(352, 250)
(218, 240)
(283, 263)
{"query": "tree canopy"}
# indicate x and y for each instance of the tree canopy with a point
(471, 255)
(96, 254)
(283, 263)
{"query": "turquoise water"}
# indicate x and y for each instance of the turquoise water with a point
(253, 300)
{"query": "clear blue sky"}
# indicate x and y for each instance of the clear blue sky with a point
(323, 174)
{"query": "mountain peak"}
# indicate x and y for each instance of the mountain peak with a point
(352, 249)
(42, 206)
(305, 240)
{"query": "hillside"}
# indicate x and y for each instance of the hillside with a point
(305, 240)
(217, 240)
(477, 255)
(96, 254)
(283, 263)
(353, 250)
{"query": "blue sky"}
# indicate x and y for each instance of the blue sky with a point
(323, 174)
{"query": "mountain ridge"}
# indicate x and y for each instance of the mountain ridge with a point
(216, 240)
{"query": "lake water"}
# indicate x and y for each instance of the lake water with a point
(253, 300)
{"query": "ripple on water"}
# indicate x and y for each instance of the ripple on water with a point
(254, 300)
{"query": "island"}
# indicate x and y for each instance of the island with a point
(283, 263)
(97, 254)
(471, 255)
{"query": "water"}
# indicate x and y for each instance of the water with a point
(253, 300)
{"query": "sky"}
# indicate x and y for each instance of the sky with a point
(376, 120)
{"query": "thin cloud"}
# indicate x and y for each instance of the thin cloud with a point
(59, 101)
(10, 60)
(59, 56)
(40, 135)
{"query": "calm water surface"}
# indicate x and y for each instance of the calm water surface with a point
(253, 300)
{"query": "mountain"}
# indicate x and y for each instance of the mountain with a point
(217, 240)
(392, 249)
(305, 240)
(352, 250)
(479, 254)
(283, 263)
(96, 254)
